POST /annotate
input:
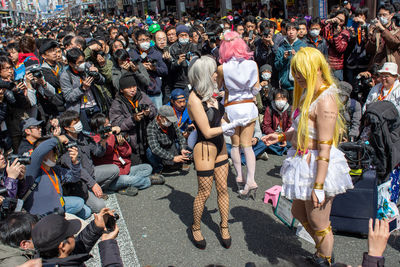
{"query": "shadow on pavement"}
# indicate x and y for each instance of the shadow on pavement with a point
(267, 238)
(275, 171)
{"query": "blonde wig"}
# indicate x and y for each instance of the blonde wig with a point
(308, 62)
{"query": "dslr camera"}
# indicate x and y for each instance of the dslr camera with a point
(36, 71)
(142, 107)
(105, 130)
(24, 160)
(145, 59)
(9, 204)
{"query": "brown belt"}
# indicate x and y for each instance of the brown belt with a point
(239, 102)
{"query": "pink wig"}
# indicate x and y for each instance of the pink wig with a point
(233, 46)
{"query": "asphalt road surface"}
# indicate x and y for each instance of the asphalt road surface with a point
(158, 220)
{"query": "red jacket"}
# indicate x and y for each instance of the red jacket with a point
(31, 61)
(271, 123)
(337, 45)
(113, 152)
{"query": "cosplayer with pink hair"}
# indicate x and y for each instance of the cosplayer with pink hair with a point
(238, 74)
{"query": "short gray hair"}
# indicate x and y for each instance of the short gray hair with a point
(200, 76)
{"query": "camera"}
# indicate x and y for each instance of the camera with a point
(374, 21)
(363, 84)
(105, 130)
(396, 19)
(190, 156)
(24, 160)
(189, 56)
(189, 129)
(36, 71)
(142, 107)
(145, 59)
(71, 144)
(6, 85)
(94, 74)
(9, 204)
(212, 36)
(111, 221)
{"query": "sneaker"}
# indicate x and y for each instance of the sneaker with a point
(157, 179)
(185, 167)
(263, 156)
(129, 191)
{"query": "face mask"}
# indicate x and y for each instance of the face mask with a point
(49, 163)
(183, 41)
(314, 33)
(81, 67)
(384, 20)
(280, 104)
(78, 127)
(166, 123)
(266, 76)
(145, 46)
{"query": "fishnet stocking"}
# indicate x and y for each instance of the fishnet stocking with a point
(205, 186)
(221, 175)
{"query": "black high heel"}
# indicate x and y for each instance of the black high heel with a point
(201, 244)
(240, 185)
(226, 243)
(250, 193)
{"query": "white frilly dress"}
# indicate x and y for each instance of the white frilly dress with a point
(298, 176)
(240, 76)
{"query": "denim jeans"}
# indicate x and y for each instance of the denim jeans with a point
(157, 100)
(278, 150)
(338, 74)
(139, 177)
(76, 205)
(258, 149)
(154, 160)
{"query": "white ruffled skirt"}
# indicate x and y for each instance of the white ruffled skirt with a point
(298, 176)
(242, 111)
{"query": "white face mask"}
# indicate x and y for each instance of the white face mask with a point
(166, 123)
(314, 33)
(384, 20)
(280, 104)
(81, 67)
(266, 76)
(183, 41)
(145, 46)
(49, 163)
(78, 127)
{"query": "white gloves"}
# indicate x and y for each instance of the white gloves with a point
(255, 90)
(320, 193)
(229, 128)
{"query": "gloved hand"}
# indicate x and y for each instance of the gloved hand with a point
(320, 195)
(232, 125)
(228, 132)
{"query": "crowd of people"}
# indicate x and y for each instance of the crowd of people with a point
(99, 105)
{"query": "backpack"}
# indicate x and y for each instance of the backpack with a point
(19, 72)
(383, 119)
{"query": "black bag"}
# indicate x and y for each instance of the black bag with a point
(78, 189)
(351, 211)
(358, 154)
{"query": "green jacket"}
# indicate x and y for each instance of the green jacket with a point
(10, 256)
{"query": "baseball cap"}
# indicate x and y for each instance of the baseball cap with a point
(46, 45)
(50, 231)
(29, 123)
(178, 94)
(168, 112)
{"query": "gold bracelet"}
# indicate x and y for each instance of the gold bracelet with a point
(281, 137)
(322, 158)
(329, 142)
(318, 186)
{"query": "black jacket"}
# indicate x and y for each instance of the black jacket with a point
(84, 242)
(179, 72)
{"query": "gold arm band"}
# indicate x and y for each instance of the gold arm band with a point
(318, 186)
(329, 142)
(322, 158)
(281, 137)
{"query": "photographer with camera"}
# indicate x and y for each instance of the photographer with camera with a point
(182, 53)
(52, 101)
(94, 178)
(153, 62)
(384, 37)
(53, 238)
(132, 110)
(167, 146)
(337, 38)
(263, 53)
(314, 39)
(16, 246)
(12, 176)
(178, 102)
(78, 87)
(118, 152)
(45, 179)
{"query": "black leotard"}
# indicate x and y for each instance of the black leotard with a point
(214, 117)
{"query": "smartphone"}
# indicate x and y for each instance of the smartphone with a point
(250, 35)
(394, 224)
(110, 221)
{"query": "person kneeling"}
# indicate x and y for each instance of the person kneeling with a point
(118, 152)
(166, 142)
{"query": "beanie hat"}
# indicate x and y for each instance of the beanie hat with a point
(265, 67)
(181, 28)
(127, 80)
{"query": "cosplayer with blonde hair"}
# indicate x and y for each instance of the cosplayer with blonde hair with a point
(209, 152)
(238, 75)
(314, 170)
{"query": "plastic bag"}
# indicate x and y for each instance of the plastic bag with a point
(386, 208)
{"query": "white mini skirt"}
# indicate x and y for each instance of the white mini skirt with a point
(241, 111)
(298, 176)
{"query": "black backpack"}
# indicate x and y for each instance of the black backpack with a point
(383, 119)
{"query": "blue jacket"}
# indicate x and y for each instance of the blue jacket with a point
(44, 198)
(282, 65)
(185, 122)
(155, 76)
